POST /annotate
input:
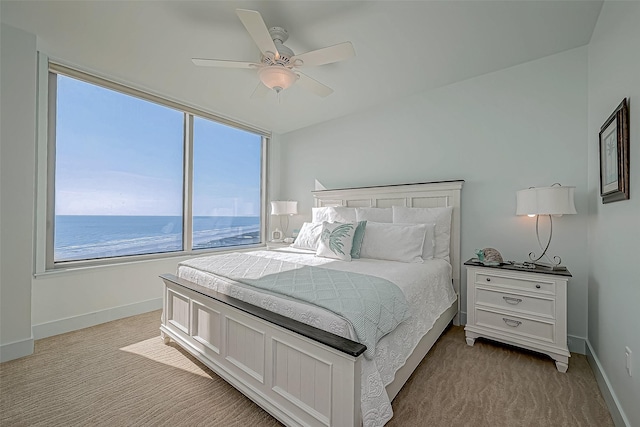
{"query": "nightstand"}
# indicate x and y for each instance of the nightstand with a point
(519, 306)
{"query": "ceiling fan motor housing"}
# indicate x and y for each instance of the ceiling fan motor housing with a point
(279, 35)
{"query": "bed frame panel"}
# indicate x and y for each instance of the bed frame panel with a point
(300, 375)
(298, 380)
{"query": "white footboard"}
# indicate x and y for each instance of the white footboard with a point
(299, 374)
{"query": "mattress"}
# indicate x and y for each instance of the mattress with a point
(426, 286)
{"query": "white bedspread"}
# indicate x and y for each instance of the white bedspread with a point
(426, 286)
(373, 306)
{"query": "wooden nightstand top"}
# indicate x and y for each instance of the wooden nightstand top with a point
(511, 267)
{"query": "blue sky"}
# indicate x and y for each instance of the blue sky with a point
(119, 155)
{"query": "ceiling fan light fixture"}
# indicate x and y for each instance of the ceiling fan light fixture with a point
(276, 77)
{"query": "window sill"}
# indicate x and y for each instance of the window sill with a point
(91, 265)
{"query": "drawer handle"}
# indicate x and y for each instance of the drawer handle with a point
(488, 279)
(512, 301)
(538, 286)
(511, 322)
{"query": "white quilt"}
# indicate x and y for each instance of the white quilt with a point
(427, 288)
(373, 306)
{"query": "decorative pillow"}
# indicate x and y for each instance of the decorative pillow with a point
(394, 242)
(336, 240)
(358, 235)
(308, 236)
(440, 216)
(334, 214)
(374, 214)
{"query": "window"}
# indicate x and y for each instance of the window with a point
(226, 186)
(133, 174)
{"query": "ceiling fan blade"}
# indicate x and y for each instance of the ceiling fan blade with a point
(258, 31)
(203, 62)
(260, 91)
(326, 55)
(313, 85)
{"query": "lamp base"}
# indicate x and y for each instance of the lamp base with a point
(540, 265)
(547, 266)
(277, 236)
(524, 264)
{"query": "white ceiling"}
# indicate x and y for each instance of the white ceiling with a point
(402, 47)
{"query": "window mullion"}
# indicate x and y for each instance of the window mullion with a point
(51, 168)
(187, 221)
(264, 173)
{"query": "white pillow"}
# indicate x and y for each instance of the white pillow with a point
(336, 240)
(440, 216)
(429, 247)
(374, 214)
(334, 214)
(394, 242)
(308, 236)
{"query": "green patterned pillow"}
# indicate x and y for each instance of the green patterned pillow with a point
(336, 240)
(358, 235)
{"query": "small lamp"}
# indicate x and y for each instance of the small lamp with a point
(556, 200)
(282, 209)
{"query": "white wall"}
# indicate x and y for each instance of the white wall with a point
(17, 181)
(501, 132)
(614, 228)
(66, 301)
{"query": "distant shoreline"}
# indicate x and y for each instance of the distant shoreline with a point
(161, 216)
(81, 237)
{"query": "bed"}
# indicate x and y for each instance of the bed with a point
(302, 363)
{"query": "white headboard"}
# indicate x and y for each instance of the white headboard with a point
(426, 195)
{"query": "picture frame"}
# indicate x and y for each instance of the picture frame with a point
(614, 155)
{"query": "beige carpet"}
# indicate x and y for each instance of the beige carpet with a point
(121, 374)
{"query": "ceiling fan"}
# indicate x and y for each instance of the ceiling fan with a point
(278, 66)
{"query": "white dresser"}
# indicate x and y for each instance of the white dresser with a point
(522, 307)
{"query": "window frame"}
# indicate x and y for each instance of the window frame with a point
(46, 162)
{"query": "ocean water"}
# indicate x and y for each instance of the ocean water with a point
(80, 237)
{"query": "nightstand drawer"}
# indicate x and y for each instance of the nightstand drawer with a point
(537, 306)
(540, 286)
(515, 325)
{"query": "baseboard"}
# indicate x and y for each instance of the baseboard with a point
(576, 344)
(16, 350)
(56, 327)
(610, 398)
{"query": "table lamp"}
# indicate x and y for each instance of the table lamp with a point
(282, 209)
(556, 200)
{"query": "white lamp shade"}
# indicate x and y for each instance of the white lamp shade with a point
(556, 200)
(276, 77)
(284, 208)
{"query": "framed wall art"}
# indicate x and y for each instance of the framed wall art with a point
(614, 155)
